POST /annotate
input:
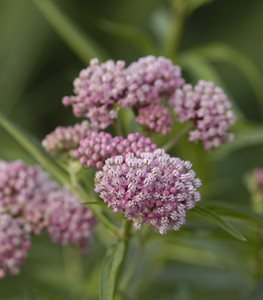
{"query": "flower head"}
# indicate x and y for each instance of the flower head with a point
(209, 108)
(14, 245)
(149, 79)
(155, 118)
(258, 178)
(151, 188)
(97, 89)
(24, 194)
(135, 143)
(69, 222)
(65, 139)
(99, 146)
(96, 148)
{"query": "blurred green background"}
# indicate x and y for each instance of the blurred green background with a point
(38, 64)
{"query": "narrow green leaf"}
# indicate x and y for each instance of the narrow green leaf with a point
(250, 138)
(33, 148)
(199, 68)
(210, 214)
(195, 4)
(109, 271)
(132, 34)
(85, 47)
(23, 37)
(219, 52)
(190, 5)
(239, 213)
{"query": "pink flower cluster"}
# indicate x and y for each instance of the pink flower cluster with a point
(99, 146)
(98, 88)
(155, 118)
(257, 176)
(31, 202)
(101, 88)
(149, 79)
(68, 221)
(14, 245)
(209, 108)
(65, 139)
(150, 188)
(23, 194)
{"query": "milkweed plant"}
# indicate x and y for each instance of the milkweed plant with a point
(113, 175)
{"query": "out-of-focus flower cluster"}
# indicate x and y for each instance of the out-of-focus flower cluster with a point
(65, 139)
(151, 188)
(31, 202)
(255, 186)
(258, 179)
(14, 245)
(209, 108)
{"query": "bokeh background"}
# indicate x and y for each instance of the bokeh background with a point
(221, 41)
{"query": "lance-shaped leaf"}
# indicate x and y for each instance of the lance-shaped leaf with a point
(239, 213)
(216, 218)
(248, 139)
(109, 272)
(132, 34)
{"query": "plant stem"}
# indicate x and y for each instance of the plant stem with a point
(258, 257)
(118, 127)
(124, 235)
(176, 29)
(174, 140)
(96, 211)
(83, 46)
(132, 267)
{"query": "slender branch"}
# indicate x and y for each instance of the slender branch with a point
(132, 268)
(174, 140)
(176, 29)
(125, 235)
(96, 211)
(258, 257)
(85, 47)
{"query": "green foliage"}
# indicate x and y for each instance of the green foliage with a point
(132, 34)
(84, 47)
(209, 213)
(247, 139)
(109, 270)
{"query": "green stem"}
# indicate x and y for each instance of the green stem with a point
(125, 235)
(174, 140)
(118, 127)
(132, 268)
(258, 258)
(176, 29)
(83, 46)
(96, 211)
